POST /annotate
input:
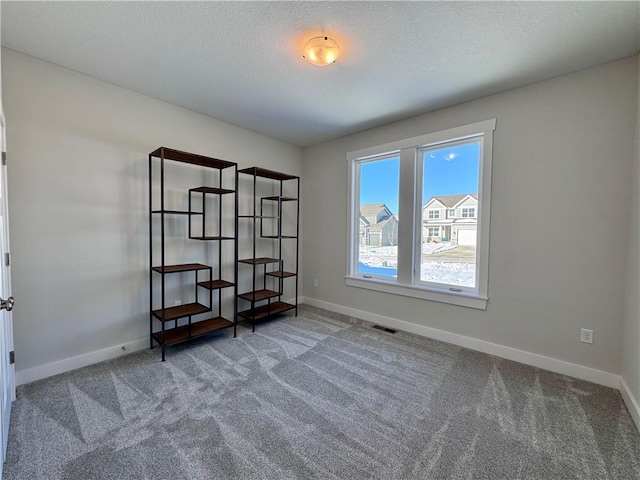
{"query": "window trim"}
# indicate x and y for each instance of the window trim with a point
(433, 214)
(410, 231)
(468, 209)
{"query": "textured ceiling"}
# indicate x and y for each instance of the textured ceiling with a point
(240, 61)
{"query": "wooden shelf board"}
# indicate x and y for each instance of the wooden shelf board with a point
(180, 334)
(215, 284)
(264, 173)
(282, 199)
(259, 260)
(258, 216)
(212, 190)
(259, 295)
(186, 157)
(185, 267)
(181, 311)
(266, 311)
(212, 238)
(176, 212)
(281, 274)
(278, 236)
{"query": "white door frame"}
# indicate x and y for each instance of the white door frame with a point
(7, 368)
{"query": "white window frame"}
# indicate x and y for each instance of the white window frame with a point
(429, 229)
(469, 213)
(451, 213)
(433, 214)
(407, 282)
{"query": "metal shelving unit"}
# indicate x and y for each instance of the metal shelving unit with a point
(170, 332)
(270, 210)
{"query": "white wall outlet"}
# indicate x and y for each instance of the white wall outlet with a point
(315, 282)
(177, 303)
(586, 335)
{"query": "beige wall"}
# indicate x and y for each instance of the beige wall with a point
(631, 337)
(563, 143)
(78, 186)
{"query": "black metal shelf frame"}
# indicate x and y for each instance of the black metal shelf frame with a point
(256, 295)
(169, 336)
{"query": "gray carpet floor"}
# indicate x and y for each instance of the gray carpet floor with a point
(319, 396)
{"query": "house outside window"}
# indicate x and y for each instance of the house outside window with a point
(417, 178)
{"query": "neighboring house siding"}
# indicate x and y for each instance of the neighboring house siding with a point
(383, 226)
(447, 227)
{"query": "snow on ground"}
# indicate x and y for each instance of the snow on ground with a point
(384, 261)
(427, 249)
(450, 273)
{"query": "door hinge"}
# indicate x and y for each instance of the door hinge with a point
(4, 158)
(12, 357)
(7, 259)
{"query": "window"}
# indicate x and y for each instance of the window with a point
(378, 190)
(468, 212)
(447, 263)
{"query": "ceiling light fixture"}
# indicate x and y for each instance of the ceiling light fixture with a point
(321, 51)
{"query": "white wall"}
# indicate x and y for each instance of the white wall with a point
(78, 186)
(631, 335)
(560, 215)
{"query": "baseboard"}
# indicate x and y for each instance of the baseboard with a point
(533, 359)
(631, 401)
(67, 364)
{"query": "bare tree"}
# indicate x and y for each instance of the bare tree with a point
(392, 233)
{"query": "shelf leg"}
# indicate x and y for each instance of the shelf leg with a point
(163, 349)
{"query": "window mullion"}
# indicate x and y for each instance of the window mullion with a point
(406, 215)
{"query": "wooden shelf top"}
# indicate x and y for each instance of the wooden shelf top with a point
(264, 173)
(182, 333)
(259, 295)
(213, 190)
(186, 157)
(181, 311)
(215, 284)
(281, 274)
(260, 260)
(266, 311)
(185, 267)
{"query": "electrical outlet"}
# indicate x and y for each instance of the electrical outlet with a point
(315, 282)
(586, 335)
(177, 303)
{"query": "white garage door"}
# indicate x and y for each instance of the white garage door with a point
(466, 237)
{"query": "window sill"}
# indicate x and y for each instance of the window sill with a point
(462, 299)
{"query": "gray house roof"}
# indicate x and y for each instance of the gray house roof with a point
(451, 201)
(371, 208)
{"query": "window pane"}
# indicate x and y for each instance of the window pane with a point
(450, 183)
(378, 220)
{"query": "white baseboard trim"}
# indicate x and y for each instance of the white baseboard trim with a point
(54, 368)
(632, 402)
(533, 359)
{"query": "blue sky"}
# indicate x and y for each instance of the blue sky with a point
(447, 171)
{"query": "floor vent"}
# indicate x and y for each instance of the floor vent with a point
(384, 329)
